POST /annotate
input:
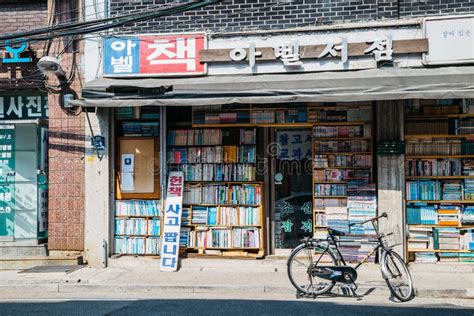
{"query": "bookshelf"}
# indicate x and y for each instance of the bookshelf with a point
(343, 178)
(294, 115)
(137, 213)
(439, 181)
(222, 205)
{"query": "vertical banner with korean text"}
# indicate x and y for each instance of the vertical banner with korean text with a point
(172, 222)
(7, 181)
(164, 55)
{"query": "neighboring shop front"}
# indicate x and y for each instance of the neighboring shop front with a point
(23, 150)
(279, 136)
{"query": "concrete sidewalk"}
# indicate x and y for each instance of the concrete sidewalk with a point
(129, 274)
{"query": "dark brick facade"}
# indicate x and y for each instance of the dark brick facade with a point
(235, 15)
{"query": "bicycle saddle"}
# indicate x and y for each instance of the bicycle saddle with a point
(335, 232)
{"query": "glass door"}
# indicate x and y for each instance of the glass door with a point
(292, 192)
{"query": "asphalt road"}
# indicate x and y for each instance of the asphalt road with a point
(223, 304)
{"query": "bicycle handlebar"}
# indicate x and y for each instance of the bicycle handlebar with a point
(384, 214)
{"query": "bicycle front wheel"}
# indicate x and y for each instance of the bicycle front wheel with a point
(303, 262)
(397, 276)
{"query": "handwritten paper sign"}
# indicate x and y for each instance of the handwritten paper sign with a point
(294, 145)
(172, 222)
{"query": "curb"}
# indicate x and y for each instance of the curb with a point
(379, 291)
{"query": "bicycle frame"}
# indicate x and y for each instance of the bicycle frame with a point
(332, 241)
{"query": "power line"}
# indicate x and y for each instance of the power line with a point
(98, 25)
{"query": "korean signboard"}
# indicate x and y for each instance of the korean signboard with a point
(172, 222)
(148, 55)
(7, 180)
(294, 56)
(451, 40)
(294, 145)
(13, 53)
(23, 107)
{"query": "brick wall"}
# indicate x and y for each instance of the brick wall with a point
(22, 15)
(66, 154)
(234, 15)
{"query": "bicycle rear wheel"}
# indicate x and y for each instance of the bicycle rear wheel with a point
(303, 261)
(397, 276)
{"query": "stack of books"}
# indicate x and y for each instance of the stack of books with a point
(216, 237)
(247, 136)
(263, 117)
(131, 226)
(186, 215)
(469, 189)
(467, 240)
(420, 238)
(468, 215)
(338, 131)
(363, 161)
(331, 174)
(449, 215)
(452, 190)
(320, 161)
(448, 257)
(344, 146)
(433, 167)
(422, 214)
(245, 194)
(154, 227)
(214, 194)
(337, 218)
(130, 245)
(446, 238)
(362, 205)
(426, 257)
(200, 214)
(354, 248)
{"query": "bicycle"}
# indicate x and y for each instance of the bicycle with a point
(322, 276)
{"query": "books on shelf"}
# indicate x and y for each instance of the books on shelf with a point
(421, 214)
(354, 248)
(468, 215)
(130, 245)
(323, 203)
(423, 190)
(249, 215)
(345, 146)
(338, 131)
(215, 194)
(137, 208)
(436, 146)
(152, 246)
(420, 238)
(192, 137)
(214, 154)
(446, 238)
(341, 115)
(331, 175)
(215, 237)
(467, 240)
(452, 190)
(337, 218)
(200, 215)
(154, 227)
(432, 127)
(330, 190)
(131, 226)
(426, 257)
(469, 189)
(186, 215)
(433, 167)
(219, 172)
(228, 216)
(320, 219)
(246, 237)
(140, 128)
(192, 194)
(449, 215)
(448, 256)
(186, 237)
(245, 194)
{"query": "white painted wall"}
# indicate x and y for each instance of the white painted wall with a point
(97, 172)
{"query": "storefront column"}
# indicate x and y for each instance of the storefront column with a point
(390, 168)
(98, 186)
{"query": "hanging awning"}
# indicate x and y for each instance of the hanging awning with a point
(363, 85)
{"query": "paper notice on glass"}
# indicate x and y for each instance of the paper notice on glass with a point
(126, 183)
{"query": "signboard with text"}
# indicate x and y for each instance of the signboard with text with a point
(451, 40)
(23, 107)
(172, 222)
(159, 55)
(7, 181)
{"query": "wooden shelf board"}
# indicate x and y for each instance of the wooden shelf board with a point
(211, 163)
(226, 205)
(224, 182)
(326, 168)
(144, 236)
(441, 201)
(254, 125)
(343, 153)
(330, 182)
(438, 250)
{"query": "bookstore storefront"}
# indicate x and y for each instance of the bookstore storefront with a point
(269, 158)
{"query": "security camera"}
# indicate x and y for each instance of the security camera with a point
(49, 64)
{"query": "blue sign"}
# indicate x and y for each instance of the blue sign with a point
(15, 54)
(122, 55)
